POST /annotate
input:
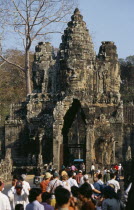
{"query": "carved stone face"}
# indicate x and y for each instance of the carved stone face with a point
(75, 78)
(72, 75)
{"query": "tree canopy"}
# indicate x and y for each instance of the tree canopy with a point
(12, 82)
(127, 77)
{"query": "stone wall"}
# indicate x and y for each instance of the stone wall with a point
(6, 166)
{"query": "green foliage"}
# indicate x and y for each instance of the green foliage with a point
(130, 59)
(12, 83)
(127, 77)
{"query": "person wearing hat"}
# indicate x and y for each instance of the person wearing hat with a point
(65, 183)
(52, 186)
(85, 179)
(4, 201)
(45, 182)
(17, 194)
(24, 183)
(54, 183)
(63, 172)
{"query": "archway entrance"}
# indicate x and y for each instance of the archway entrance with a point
(74, 134)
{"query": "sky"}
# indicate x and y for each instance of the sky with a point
(109, 20)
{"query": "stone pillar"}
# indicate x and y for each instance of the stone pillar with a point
(40, 159)
(56, 155)
(89, 146)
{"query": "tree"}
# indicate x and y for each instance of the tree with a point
(127, 77)
(30, 19)
(12, 82)
(130, 59)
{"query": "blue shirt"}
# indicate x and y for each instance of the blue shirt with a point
(35, 205)
(97, 187)
(47, 206)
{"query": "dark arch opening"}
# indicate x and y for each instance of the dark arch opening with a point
(74, 134)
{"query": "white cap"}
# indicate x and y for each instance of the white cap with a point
(85, 177)
(23, 176)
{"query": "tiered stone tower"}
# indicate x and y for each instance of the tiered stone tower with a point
(76, 56)
(75, 109)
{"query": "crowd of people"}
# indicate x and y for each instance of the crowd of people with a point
(68, 190)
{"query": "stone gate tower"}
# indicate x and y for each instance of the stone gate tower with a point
(75, 109)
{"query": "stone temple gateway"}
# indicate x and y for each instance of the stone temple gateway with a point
(75, 110)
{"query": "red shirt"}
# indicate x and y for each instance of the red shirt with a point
(44, 184)
(116, 167)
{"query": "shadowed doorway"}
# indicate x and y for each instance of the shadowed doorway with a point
(74, 134)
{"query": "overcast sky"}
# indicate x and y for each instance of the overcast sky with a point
(109, 20)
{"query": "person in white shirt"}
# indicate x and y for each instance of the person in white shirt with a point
(4, 201)
(54, 183)
(92, 170)
(25, 184)
(113, 182)
(120, 169)
(71, 181)
(18, 195)
(84, 179)
(99, 179)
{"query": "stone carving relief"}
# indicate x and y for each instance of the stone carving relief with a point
(34, 160)
(40, 160)
(104, 141)
(104, 151)
(6, 166)
(128, 154)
